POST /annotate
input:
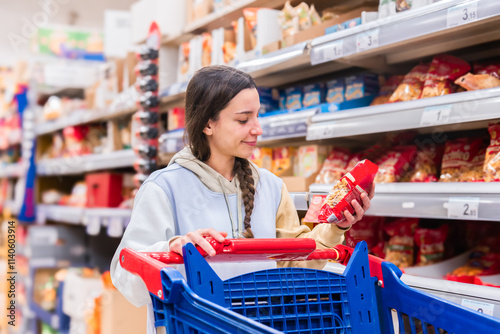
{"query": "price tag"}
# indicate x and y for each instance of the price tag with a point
(367, 40)
(463, 207)
(115, 227)
(462, 14)
(333, 50)
(436, 115)
(485, 308)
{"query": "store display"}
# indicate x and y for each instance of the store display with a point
(492, 157)
(400, 247)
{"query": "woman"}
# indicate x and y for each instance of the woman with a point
(211, 189)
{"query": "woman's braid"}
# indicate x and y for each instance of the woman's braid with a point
(243, 171)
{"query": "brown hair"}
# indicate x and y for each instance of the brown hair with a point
(209, 91)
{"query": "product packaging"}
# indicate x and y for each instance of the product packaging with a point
(359, 86)
(334, 166)
(313, 94)
(335, 90)
(350, 187)
(492, 158)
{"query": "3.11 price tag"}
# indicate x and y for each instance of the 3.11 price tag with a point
(462, 14)
(463, 207)
(435, 115)
(367, 40)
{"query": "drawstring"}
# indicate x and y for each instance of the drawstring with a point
(234, 228)
(240, 219)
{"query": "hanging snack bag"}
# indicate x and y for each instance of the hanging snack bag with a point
(443, 71)
(334, 166)
(457, 157)
(395, 163)
(411, 87)
(350, 187)
(430, 243)
(492, 158)
(400, 247)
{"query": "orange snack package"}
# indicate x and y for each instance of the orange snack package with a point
(411, 86)
(334, 166)
(388, 88)
(475, 172)
(443, 71)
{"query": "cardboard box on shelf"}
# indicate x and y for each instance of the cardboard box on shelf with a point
(275, 46)
(196, 9)
(118, 316)
(310, 158)
(298, 183)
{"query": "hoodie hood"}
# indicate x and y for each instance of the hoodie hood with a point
(207, 175)
(216, 183)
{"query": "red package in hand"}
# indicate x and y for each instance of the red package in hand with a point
(350, 187)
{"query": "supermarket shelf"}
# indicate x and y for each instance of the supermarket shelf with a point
(430, 200)
(13, 207)
(123, 105)
(49, 318)
(300, 200)
(12, 170)
(285, 126)
(172, 142)
(413, 34)
(86, 163)
(448, 111)
(114, 219)
(59, 213)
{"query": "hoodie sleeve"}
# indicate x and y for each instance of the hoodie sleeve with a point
(150, 229)
(288, 226)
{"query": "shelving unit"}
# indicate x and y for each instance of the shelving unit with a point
(12, 170)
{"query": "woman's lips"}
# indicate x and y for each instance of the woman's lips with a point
(251, 143)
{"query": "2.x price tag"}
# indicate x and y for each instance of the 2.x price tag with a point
(435, 115)
(463, 207)
(462, 14)
(367, 40)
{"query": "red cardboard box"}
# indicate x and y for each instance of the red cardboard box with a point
(104, 190)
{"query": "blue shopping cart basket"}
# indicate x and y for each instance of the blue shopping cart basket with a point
(294, 300)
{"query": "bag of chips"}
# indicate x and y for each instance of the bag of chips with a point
(350, 187)
(474, 172)
(426, 164)
(492, 157)
(430, 243)
(395, 163)
(387, 89)
(334, 166)
(368, 229)
(443, 71)
(457, 157)
(411, 86)
(400, 247)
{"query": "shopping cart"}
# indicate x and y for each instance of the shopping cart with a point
(293, 300)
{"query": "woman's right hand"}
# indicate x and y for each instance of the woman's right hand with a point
(197, 238)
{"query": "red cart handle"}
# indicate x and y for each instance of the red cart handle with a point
(148, 264)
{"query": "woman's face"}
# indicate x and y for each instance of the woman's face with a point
(235, 132)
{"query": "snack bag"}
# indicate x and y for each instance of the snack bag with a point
(426, 164)
(492, 158)
(388, 88)
(402, 5)
(367, 229)
(283, 160)
(477, 81)
(288, 19)
(443, 71)
(430, 243)
(350, 187)
(314, 209)
(303, 13)
(482, 261)
(412, 85)
(399, 248)
(457, 157)
(395, 163)
(334, 166)
(474, 172)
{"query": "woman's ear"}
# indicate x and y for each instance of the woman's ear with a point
(208, 129)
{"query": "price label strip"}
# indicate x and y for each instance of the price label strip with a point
(463, 207)
(436, 115)
(481, 307)
(462, 14)
(367, 40)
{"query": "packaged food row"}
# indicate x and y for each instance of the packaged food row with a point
(10, 155)
(98, 190)
(10, 130)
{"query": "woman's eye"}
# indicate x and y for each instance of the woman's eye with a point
(243, 121)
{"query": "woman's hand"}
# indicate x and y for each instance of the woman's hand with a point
(360, 210)
(197, 238)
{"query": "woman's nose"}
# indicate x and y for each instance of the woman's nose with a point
(256, 129)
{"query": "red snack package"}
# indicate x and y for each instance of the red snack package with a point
(400, 247)
(492, 157)
(367, 229)
(411, 87)
(350, 187)
(457, 156)
(314, 209)
(388, 88)
(491, 69)
(430, 243)
(334, 166)
(443, 71)
(426, 164)
(474, 172)
(395, 163)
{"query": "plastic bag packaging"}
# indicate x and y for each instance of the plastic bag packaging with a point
(350, 187)
(395, 163)
(431, 244)
(402, 5)
(412, 85)
(474, 172)
(444, 69)
(400, 247)
(492, 158)
(426, 164)
(387, 89)
(334, 166)
(457, 156)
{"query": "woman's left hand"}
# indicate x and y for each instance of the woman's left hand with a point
(360, 210)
